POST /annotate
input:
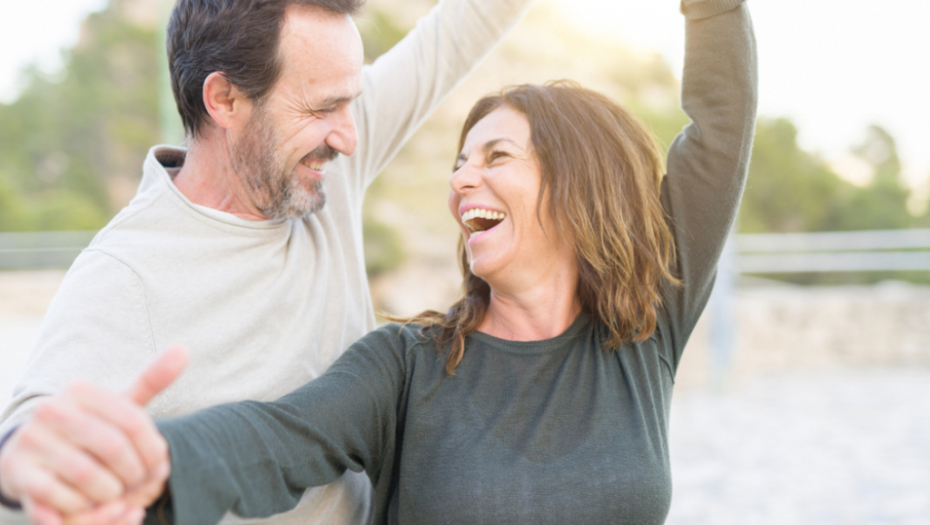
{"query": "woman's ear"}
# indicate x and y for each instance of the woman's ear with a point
(225, 103)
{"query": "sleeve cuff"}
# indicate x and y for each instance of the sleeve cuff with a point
(8, 503)
(698, 9)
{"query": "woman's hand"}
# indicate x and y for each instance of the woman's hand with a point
(89, 456)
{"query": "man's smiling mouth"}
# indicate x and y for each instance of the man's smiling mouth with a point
(313, 164)
(479, 220)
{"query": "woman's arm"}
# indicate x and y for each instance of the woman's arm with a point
(709, 160)
(256, 459)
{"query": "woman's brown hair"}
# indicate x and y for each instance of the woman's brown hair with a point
(603, 172)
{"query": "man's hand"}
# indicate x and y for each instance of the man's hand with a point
(91, 456)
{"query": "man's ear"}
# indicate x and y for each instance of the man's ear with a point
(225, 103)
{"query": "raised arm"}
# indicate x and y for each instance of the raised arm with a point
(709, 160)
(405, 85)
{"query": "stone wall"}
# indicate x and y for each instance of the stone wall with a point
(789, 328)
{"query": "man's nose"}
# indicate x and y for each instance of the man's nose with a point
(342, 135)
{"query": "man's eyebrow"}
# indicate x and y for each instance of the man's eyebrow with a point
(487, 146)
(335, 101)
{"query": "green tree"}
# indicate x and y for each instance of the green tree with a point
(68, 144)
(883, 203)
(789, 189)
(792, 190)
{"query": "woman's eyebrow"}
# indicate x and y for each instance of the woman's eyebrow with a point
(487, 146)
(491, 143)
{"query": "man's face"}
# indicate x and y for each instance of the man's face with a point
(306, 120)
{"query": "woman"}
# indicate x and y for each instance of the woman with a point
(543, 395)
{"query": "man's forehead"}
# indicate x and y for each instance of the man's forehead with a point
(312, 30)
(320, 44)
(321, 57)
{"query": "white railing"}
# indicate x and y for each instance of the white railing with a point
(748, 253)
(833, 251)
(780, 253)
(42, 249)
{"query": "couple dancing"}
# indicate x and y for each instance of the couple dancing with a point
(543, 394)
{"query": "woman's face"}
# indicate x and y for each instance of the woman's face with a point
(495, 188)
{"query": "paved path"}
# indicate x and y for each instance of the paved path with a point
(843, 447)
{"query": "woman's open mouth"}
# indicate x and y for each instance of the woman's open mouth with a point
(479, 220)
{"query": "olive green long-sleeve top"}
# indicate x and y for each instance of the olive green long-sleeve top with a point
(555, 431)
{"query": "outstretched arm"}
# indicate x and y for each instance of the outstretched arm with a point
(91, 455)
(709, 160)
(256, 459)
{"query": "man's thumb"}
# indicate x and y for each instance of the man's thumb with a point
(159, 375)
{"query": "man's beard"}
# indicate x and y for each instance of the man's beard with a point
(277, 193)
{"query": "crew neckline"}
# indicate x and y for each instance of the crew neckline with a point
(540, 346)
(172, 157)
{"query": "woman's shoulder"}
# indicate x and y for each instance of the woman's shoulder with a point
(401, 335)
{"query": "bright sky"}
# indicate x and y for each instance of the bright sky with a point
(832, 66)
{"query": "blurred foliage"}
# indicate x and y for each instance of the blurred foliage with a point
(379, 32)
(383, 248)
(791, 190)
(68, 144)
(72, 145)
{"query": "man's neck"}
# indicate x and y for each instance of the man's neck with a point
(208, 178)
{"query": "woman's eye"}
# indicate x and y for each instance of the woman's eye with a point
(495, 155)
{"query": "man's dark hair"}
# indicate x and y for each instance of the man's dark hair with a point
(236, 37)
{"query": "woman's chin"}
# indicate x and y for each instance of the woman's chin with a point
(483, 268)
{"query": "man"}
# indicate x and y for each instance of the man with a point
(246, 247)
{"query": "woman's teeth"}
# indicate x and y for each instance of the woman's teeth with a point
(478, 220)
(482, 214)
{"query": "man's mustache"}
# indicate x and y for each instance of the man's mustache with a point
(323, 152)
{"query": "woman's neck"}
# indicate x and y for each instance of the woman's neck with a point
(537, 313)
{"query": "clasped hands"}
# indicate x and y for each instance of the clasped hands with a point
(90, 456)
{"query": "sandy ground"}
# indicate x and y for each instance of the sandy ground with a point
(812, 445)
(838, 447)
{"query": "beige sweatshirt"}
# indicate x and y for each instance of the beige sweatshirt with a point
(263, 306)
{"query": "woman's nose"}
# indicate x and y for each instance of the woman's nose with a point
(466, 177)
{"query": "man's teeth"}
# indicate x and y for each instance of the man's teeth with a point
(316, 165)
(478, 213)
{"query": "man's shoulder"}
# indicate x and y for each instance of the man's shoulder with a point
(145, 221)
(159, 221)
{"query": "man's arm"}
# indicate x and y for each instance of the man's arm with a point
(403, 86)
(96, 329)
(81, 340)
